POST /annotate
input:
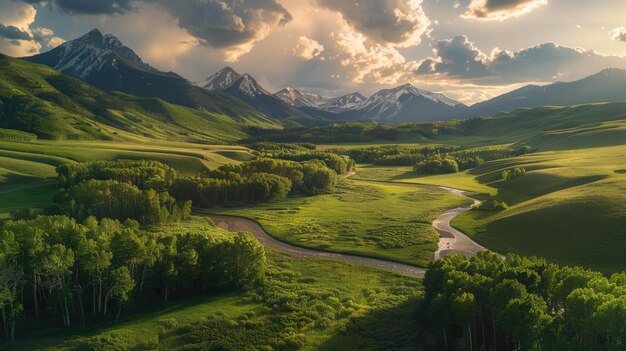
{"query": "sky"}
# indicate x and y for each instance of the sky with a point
(469, 50)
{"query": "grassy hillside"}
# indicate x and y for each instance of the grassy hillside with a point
(568, 207)
(27, 169)
(38, 100)
(378, 220)
(546, 128)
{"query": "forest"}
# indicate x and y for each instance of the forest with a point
(87, 272)
(522, 303)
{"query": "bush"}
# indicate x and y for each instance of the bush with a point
(437, 165)
(512, 174)
(491, 205)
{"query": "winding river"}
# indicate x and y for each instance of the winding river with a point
(451, 241)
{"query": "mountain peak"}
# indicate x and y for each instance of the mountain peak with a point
(248, 85)
(93, 35)
(220, 80)
(297, 98)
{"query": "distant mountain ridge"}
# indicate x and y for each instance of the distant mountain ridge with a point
(608, 85)
(105, 62)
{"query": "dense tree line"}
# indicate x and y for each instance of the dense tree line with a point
(55, 267)
(117, 200)
(260, 180)
(395, 155)
(360, 132)
(304, 152)
(207, 192)
(437, 165)
(142, 174)
(336, 132)
(487, 303)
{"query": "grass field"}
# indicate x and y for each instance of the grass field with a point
(569, 208)
(366, 218)
(462, 180)
(339, 306)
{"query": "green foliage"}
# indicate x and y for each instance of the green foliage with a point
(260, 180)
(298, 307)
(491, 205)
(437, 165)
(522, 304)
(512, 174)
(112, 199)
(142, 174)
(77, 272)
(395, 155)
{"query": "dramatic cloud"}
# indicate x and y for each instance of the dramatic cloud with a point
(500, 10)
(619, 34)
(459, 58)
(365, 60)
(93, 7)
(17, 37)
(232, 25)
(400, 23)
(12, 32)
(307, 48)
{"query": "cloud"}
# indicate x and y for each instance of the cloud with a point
(12, 32)
(17, 37)
(88, 7)
(459, 58)
(307, 48)
(232, 25)
(364, 60)
(400, 23)
(619, 34)
(500, 10)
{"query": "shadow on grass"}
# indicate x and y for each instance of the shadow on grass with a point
(394, 328)
(49, 332)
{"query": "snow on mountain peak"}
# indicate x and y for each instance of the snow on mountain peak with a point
(220, 80)
(297, 98)
(249, 86)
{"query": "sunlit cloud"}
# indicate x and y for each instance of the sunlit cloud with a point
(619, 34)
(500, 10)
(307, 48)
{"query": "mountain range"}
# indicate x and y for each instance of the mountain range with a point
(104, 62)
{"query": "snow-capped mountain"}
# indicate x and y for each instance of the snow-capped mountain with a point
(247, 89)
(342, 103)
(89, 54)
(297, 98)
(103, 61)
(248, 86)
(220, 80)
(405, 103)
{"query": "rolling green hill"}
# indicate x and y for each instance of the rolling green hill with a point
(38, 100)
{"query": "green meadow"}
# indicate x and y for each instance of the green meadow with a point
(382, 220)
